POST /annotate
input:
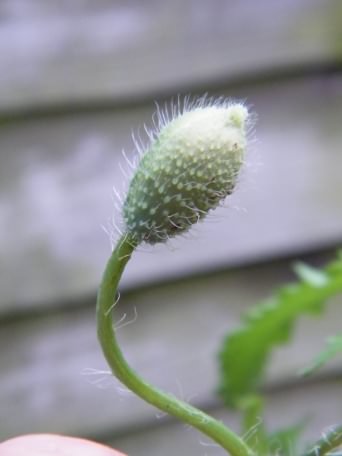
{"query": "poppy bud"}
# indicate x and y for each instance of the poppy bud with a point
(191, 165)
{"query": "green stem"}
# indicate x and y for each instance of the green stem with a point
(329, 442)
(120, 368)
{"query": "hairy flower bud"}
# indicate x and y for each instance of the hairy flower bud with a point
(191, 165)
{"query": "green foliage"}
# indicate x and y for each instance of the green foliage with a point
(333, 348)
(253, 426)
(284, 442)
(245, 351)
(331, 440)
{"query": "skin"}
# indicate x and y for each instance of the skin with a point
(54, 445)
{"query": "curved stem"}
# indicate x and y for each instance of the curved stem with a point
(330, 441)
(120, 368)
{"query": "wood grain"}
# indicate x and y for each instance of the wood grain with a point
(85, 52)
(54, 378)
(57, 174)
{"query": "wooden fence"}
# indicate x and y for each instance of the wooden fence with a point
(75, 80)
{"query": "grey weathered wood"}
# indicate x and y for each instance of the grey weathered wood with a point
(56, 178)
(53, 376)
(89, 51)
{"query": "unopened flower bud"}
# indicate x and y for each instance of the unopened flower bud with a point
(191, 165)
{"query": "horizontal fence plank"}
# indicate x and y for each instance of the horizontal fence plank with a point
(322, 402)
(85, 52)
(54, 379)
(56, 178)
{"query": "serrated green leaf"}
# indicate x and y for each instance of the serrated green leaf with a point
(329, 444)
(310, 275)
(254, 432)
(333, 348)
(284, 442)
(245, 351)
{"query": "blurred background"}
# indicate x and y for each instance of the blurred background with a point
(76, 78)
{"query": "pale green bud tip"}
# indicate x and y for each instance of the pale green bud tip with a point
(191, 165)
